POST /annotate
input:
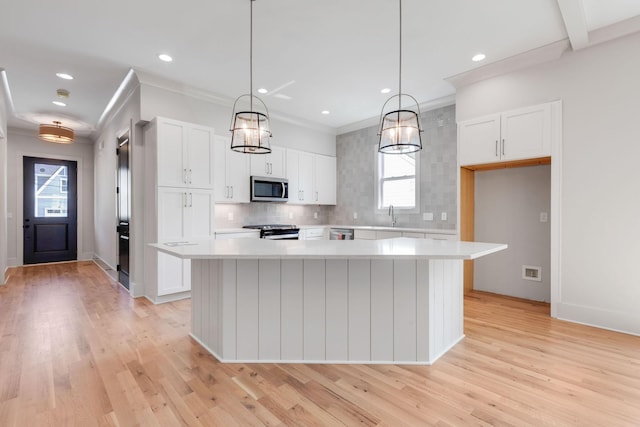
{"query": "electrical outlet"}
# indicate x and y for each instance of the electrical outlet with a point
(230, 216)
(290, 215)
(315, 215)
(355, 215)
(443, 216)
(544, 217)
(427, 216)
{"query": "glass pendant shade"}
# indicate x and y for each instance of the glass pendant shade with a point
(250, 130)
(250, 127)
(400, 130)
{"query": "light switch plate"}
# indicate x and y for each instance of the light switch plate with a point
(315, 215)
(427, 216)
(544, 217)
(443, 216)
(290, 215)
(230, 216)
(355, 215)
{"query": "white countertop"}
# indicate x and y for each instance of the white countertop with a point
(401, 247)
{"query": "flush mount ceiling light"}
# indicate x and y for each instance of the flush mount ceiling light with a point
(478, 57)
(262, 90)
(56, 133)
(165, 58)
(65, 76)
(59, 103)
(250, 128)
(400, 129)
(385, 90)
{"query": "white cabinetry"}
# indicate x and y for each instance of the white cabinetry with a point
(231, 173)
(312, 178)
(184, 154)
(300, 176)
(178, 201)
(324, 180)
(524, 133)
(270, 165)
(313, 234)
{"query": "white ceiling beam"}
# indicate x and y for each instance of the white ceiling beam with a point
(575, 22)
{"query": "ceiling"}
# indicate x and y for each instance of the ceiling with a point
(333, 55)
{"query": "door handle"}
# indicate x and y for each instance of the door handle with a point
(496, 148)
(190, 175)
(26, 226)
(503, 146)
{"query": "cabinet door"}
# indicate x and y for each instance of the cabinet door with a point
(526, 133)
(199, 217)
(174, 274)
(171, 154)
(200, 157)
(260, 164)
(276, 160)
(221, 189)
(305, 177)
(238, 176)
(293, 168)
(324, 180)
(171, 210)
(480, 140)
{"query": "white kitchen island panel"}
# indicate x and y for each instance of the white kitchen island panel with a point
(313, 311)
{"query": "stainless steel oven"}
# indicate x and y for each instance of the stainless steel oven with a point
(277, 231)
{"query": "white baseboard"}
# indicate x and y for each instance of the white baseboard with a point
(169, 298)
(12, 262)
(627, 323)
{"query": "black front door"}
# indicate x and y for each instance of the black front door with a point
(50, 210)
(123, 190)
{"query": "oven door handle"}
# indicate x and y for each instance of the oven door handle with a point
(284, 190)
(282, 237)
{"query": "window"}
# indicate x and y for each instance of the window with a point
(398, 182)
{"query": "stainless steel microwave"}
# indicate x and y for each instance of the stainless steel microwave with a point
(265, 189)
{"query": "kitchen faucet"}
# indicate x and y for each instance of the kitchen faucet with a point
(394, 218)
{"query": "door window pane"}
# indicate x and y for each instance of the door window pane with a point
(51, 190)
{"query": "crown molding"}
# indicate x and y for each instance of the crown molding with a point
(523, 60)
(221, 100)
(375, 121)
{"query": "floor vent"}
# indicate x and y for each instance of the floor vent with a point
(532, 273)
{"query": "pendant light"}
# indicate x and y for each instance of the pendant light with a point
(400, 129)
(56, 133)
(250, 128)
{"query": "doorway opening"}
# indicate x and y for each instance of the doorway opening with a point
(123, 190)
(50, 210)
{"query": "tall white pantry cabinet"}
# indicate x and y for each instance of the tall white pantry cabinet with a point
(179, 200)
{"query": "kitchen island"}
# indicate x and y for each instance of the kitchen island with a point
(362, 301)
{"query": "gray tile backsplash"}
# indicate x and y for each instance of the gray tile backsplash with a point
(237, 215)
(356, 184)
(438, 175)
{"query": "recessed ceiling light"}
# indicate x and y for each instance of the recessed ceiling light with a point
(262, 90)
(325, 112)
(385, 90)
(60, 104)
(478, 57)
(65, 76)
(164, 57)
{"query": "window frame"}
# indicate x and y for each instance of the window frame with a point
(379, 180)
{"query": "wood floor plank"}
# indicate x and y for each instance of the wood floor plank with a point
(76, 350)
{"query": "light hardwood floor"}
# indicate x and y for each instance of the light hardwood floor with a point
(76, 350)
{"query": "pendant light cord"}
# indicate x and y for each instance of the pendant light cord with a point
(400, 61)
(251, 55)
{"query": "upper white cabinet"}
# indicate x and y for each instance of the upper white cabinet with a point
(519, 134)
(300, 176)
(184, 154)
(324, 180)
(269, 165)
(312, 178)
(231, 172)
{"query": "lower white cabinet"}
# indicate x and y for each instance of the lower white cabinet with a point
(313, 234)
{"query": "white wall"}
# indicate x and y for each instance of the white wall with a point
(3, 187)
(26, 143)
(600, 230)
(508, 203)
(166, 103)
